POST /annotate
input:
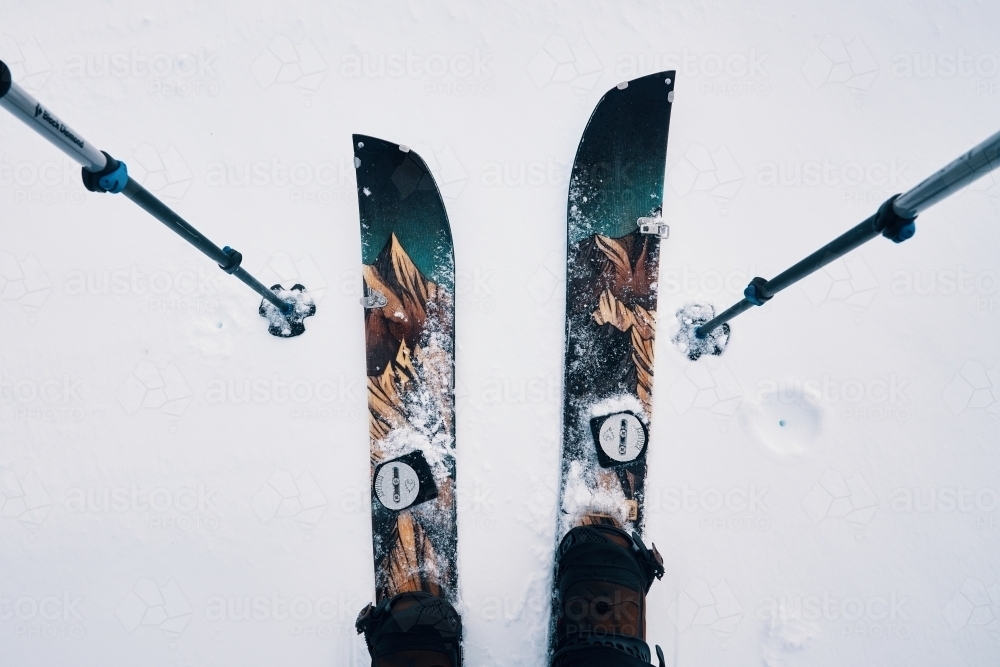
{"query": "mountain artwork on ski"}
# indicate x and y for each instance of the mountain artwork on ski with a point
(409, 277)
(615, 227)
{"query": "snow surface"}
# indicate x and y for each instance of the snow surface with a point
(180, 487)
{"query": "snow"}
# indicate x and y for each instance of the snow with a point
(686, 322)
(131, 366)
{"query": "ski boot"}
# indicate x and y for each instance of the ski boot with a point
(603, 577)
(412, 630)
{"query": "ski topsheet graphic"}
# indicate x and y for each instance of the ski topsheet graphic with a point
(409, 276)
(615, 228)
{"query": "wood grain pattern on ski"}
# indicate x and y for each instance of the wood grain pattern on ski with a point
(410, 407)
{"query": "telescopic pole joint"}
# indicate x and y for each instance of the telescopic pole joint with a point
(893, 226)
(235, 257)
(113, 178)
(756, 292)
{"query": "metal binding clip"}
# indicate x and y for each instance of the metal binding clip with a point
(374, 299)
(653, 227)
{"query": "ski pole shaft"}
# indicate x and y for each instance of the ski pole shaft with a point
(102, 173)
(894, 220)
(977, 162)
(222, 256)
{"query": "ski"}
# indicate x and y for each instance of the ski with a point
(409, 276)
(615, 227)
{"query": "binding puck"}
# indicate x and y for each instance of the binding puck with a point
(621, 438)
(404, 482)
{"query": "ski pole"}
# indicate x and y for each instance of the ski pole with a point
(103, 173)
(894, 220)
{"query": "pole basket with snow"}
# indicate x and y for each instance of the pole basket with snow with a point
(893, 220)
(284, 309)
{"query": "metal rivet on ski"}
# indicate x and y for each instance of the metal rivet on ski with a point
(623, 85)
(653, 227)
(404, 482)
(374, 299)
(621, 438)
(405, 149)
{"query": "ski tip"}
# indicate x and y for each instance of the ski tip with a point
(379, 163)
(686, 339)
(666, 79)
(364, 143)
(289, 323)
(371, 147)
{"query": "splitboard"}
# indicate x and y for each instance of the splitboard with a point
(409, 277)
(615, 228)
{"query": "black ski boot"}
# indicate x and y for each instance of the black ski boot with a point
(412, 630)
(603, 577)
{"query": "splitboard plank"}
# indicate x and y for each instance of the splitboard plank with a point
(614, 229)
(409, 276)
(614, 222)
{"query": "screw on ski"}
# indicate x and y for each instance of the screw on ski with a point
(895, 220)
(284, 309)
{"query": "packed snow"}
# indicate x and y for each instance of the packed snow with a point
(179, 487)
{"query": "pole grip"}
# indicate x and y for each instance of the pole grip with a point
(19, 102)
